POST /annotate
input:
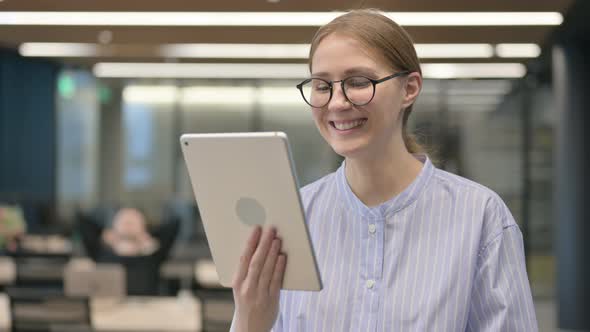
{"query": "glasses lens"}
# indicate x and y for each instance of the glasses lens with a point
(358, 89)
(316, 92)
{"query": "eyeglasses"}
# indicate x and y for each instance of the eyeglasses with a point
(358, 90)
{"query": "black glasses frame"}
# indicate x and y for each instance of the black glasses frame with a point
(331, 85)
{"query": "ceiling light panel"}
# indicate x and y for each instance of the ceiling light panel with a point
(290, 71)
(473, 70)
(272, 18)
(201, 70)
(518, 50)
(264, 51)
(426, 51)
(252, 51)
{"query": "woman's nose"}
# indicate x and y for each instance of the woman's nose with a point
(339, 101)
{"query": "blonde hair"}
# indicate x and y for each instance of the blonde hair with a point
(390, 41)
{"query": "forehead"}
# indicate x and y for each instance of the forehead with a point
(129, 216)
(337, 54)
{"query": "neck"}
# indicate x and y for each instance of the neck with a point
(376, 179)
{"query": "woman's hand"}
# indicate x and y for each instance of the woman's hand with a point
(257, 282)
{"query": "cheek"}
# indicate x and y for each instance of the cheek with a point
(317, 116)
(387, 107)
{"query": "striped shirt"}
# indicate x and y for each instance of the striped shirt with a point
(443, 255)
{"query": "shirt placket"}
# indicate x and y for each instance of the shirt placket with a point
(372, 276)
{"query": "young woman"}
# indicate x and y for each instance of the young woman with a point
(401, 245)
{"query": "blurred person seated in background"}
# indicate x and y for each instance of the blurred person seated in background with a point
(128, 235)
(129, 242)
(12, 228)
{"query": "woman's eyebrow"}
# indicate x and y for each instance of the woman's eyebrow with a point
(360, 70)
(322, 74)
(350, 71)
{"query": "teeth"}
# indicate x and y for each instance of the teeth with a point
(348, 125)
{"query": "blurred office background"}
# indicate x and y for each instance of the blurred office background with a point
(93, 101)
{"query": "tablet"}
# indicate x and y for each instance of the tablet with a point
(241, 180)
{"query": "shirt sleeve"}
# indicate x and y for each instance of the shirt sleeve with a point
(501, 297)
(232, 328)
(278, 327)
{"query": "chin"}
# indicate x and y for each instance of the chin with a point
(348, 149)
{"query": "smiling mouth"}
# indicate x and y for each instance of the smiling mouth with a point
(347, 125)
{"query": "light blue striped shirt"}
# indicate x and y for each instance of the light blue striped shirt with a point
(443, 255)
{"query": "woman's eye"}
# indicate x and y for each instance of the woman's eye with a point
(322, 88)
(358, 83)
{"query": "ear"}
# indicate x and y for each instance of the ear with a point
(413, 86)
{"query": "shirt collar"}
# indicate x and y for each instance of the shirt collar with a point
(393, 205)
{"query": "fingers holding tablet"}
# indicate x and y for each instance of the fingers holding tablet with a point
(258, 279)
(269, 265)
(260, 255)
(278, 274)
(251, 245)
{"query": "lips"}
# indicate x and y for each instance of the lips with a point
(349, 124)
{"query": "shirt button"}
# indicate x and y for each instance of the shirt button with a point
(372, 228)
(370, 283)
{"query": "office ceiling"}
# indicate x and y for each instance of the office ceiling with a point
(139, 43)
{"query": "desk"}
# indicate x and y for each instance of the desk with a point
(83, 278)
(7, 271)
(177, 270)
(176, 275)
(40, 314)
(70, 328)
(206, 274)
(146, 314)
(183, 251)
(46, 244)
(203, 272)
(5, 316)
(218, 313)
(49, 270)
